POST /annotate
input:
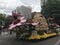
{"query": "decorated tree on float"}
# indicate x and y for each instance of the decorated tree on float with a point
(31, 29)
(18, 20)
(21, 25)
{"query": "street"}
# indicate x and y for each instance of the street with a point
(11, 40)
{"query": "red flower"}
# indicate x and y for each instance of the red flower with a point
(29, 21)
(16, 21)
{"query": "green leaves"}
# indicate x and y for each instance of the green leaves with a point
(5, 20)
(51, 7)
(2, 19)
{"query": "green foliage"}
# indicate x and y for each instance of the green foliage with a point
(2, 19)
(52, 9)
(8, 21)
(5, 20)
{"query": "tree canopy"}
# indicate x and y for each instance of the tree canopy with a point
(51, 9)
(5, 20)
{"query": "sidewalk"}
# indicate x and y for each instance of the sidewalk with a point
(7, 33)
(4, 33)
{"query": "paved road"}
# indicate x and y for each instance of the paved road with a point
(11, 40)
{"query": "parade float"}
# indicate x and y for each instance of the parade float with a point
(34, 29)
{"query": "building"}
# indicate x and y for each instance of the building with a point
(24, 10)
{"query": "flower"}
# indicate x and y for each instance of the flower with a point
(54, 24)
(50, 18)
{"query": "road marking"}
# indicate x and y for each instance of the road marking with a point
(57, 42)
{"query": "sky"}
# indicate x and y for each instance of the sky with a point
(7, 6)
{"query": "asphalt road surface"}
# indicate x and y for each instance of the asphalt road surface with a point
(11, 40)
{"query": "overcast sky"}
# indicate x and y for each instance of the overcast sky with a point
(6, 6)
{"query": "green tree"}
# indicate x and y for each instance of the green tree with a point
(51, 8)
(8, 21)
(2, 19)
(5, 20)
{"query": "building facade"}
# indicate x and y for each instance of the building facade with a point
(24, 10)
